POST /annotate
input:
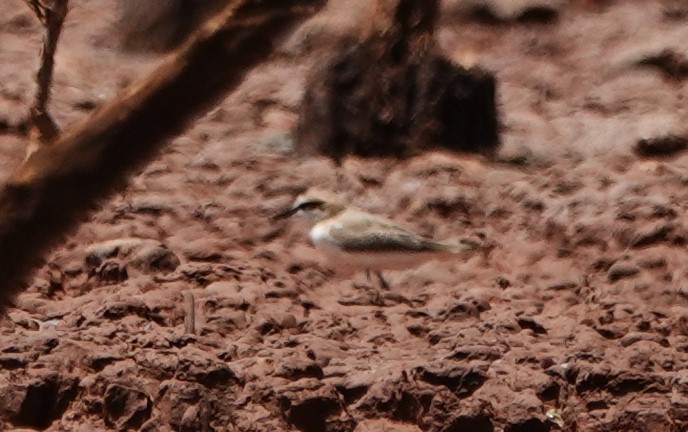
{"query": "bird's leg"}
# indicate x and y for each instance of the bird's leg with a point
(364, 287)
(383, 282)
(376, 298)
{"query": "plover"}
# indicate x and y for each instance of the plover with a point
(354, 240)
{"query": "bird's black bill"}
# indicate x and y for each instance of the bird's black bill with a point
(285, 213)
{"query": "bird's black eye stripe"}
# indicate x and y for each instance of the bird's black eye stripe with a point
(310, 205)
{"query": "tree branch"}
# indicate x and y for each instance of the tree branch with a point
(59, 184)
(55, 15)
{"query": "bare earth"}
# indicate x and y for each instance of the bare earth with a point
(578, 317)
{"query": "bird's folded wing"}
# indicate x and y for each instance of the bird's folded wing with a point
(376, 234)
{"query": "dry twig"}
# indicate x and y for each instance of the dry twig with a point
(38, 8)
(42, 128)
(189, 313)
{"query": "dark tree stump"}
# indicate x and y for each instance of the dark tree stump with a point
(394, 94)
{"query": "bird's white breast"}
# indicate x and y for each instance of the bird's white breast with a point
(322, 239)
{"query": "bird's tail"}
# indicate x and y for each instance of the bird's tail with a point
(463, 246)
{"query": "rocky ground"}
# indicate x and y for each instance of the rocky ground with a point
(577, 320)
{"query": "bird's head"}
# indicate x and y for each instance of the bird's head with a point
(315, 205)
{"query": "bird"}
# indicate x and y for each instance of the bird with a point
(354, 240)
